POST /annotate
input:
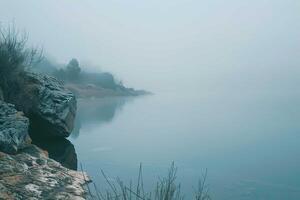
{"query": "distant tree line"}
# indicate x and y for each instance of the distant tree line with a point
(73, 73)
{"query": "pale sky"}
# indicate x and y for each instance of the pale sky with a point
(165, 45)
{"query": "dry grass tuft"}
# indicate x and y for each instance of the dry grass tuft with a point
(166, 188)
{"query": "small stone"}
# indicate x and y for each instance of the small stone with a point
(40, 161)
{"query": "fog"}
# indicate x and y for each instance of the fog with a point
(225, 75)
(171, 45)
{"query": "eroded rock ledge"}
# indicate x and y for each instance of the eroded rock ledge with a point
(30, 174)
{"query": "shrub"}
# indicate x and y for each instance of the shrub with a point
(73, 70)
(15, 56)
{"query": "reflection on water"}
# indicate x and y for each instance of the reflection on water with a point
(97, 111)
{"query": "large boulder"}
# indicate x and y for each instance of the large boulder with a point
(13, 129)
(50, 107)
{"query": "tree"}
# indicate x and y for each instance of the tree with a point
(73, 70)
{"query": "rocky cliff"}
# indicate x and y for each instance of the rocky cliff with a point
(39, 105)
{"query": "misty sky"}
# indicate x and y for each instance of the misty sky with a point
(171, 44)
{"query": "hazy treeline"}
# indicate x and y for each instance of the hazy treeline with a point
(72, 72)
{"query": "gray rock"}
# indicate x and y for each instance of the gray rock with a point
(13, 129)
(50, 107)
(32, 175)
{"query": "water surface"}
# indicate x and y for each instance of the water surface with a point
(248, 141)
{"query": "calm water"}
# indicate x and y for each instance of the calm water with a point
(249, 142)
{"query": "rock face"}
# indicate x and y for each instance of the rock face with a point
(50, 107)
(13, 129)
(32, 175)
(1, 95)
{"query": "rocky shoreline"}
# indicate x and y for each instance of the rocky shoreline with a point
(31, 174)
(39, 106)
